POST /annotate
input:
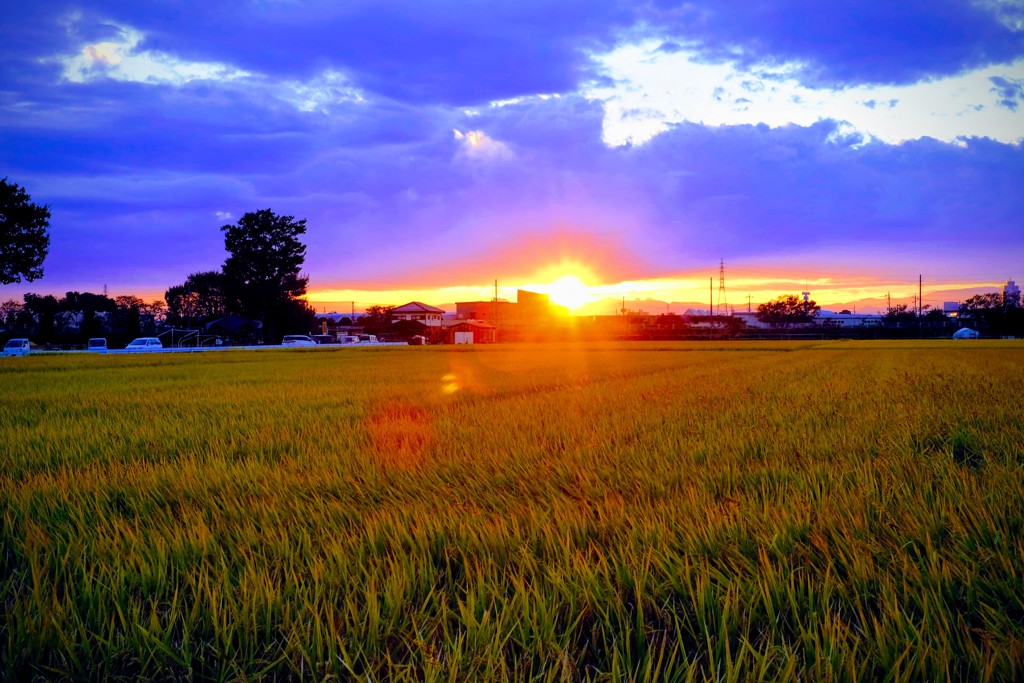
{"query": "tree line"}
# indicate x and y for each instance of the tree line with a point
(259, 282)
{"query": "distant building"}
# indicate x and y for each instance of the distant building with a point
(848, 319)
(749, 319)
(418, 312)
(1011, 294)
(827, 318)
(951, 308)
(529, 307)
(491, 311)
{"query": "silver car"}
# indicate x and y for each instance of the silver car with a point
(145, 344)
(297, 340)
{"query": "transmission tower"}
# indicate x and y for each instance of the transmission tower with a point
(723, 307)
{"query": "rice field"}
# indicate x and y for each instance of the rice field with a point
(836, 511)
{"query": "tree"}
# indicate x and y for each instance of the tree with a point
(376, 319)
(128, 315)
(991, 314)
(85, 311)
(262, 273)
(10, 313)
(42, 315)
(155, 312)
(24, 242)
(787, 310)
(899, 314)
(377, 315)
(200, 299)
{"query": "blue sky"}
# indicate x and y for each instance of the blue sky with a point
(435, 146)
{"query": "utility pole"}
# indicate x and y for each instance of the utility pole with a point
(888, 304)
(494, 304)
(721, 288)
(920, 306)
(748, 303)
(711, 297)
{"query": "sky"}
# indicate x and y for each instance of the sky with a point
(434, 147)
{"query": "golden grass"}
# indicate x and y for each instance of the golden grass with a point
(744, 511)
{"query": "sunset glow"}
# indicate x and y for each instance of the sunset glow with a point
(583, 296)
(569, 291)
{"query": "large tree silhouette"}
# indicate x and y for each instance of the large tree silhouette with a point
(262, 277)
(24, 242)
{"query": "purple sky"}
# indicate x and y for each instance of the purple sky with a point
(444, 144)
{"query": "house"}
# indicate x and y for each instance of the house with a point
(467, 332)
(418, 312)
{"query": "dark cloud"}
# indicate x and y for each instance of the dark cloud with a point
(136, 174)
(450, 52)
(846, 42)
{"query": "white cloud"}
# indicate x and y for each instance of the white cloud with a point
(223, 215)
(477, 146)
(1009, 12)
(319, 93)
(122, 60)
(653, 90)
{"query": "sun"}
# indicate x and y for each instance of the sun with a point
(569, 291)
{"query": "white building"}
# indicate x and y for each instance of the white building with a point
(420, 312)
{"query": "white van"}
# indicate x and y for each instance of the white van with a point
(97, 344)
(367, 339)
(18, 347)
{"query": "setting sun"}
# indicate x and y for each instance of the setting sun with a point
(569, 291)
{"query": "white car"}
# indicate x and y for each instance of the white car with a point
(297, 340)
(97, 344)
(145, 344)
(18, 347)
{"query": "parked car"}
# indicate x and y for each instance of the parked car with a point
(18, 347)
(297, 340)
(350, 339)
(145, 344)
(97, 344)
(417, 340)
(367, 339)
(325, 339)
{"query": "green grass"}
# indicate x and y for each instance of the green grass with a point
(743, 511)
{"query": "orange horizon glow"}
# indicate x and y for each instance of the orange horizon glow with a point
(580, 287)
(577, 287)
